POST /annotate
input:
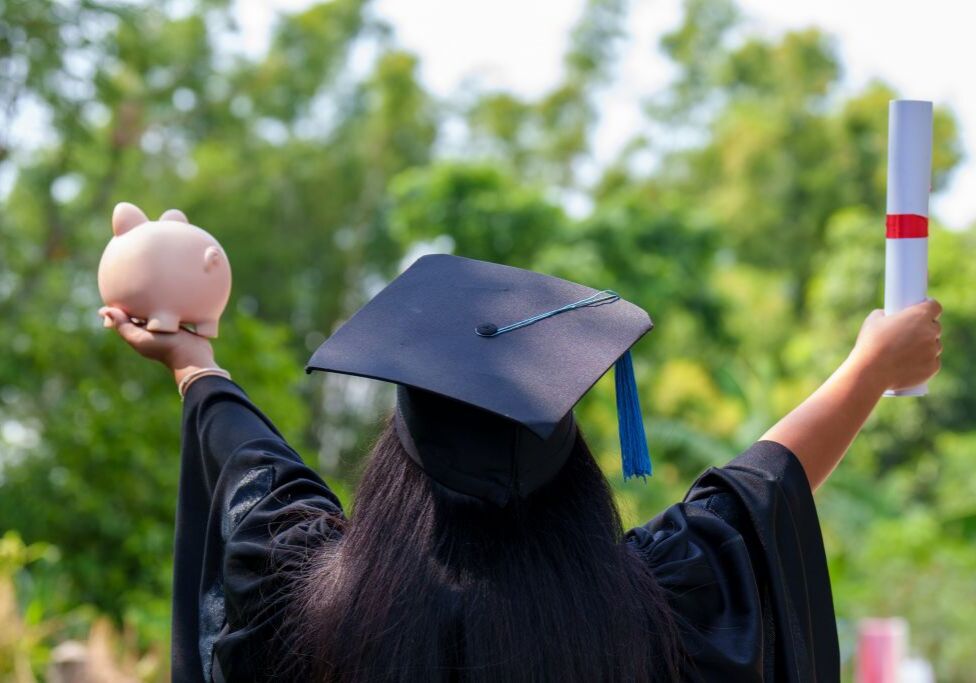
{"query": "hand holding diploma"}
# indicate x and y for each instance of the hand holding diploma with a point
(901, 349)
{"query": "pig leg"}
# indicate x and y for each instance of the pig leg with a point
(207, 328)
(162, 321)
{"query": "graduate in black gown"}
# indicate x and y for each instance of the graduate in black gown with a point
(485, 544)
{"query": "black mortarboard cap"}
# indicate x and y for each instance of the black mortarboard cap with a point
(490, 360)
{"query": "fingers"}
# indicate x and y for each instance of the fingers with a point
(116, 318)
(128, 330)
(107, 319)
(876, 313)
(930, 307)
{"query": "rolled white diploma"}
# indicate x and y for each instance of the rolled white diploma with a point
(909, 183)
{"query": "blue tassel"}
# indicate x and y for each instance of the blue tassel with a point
(633, 441)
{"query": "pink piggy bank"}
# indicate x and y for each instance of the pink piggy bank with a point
(167, 272)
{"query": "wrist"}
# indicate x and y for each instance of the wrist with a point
(185, 361)
(866, 371)
(192, 376)
(179, 374)
(187, 365)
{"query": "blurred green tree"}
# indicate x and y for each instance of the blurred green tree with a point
(753, 238)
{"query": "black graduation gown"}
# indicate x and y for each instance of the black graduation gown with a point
(741, 557)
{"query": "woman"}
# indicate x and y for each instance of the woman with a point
(485, 545)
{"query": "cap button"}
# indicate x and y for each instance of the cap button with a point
(486, 329)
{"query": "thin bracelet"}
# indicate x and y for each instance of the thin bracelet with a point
(197, 374)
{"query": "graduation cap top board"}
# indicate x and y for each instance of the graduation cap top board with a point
(489, 361)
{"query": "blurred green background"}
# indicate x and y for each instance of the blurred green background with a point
(746, 215)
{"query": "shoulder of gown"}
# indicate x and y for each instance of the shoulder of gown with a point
(249, 513)
(743, 563)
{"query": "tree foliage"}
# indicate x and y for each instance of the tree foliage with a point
(754, 240)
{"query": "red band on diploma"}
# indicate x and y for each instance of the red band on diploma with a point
(905, 225)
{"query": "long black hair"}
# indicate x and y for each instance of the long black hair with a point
(426, 584)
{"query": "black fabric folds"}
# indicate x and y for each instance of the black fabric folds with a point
(743, 561)
(741, 557)
(249, 511)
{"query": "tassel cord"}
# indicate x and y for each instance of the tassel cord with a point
(635, 457)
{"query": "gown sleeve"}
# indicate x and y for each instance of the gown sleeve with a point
(743, 564)
(249, 511)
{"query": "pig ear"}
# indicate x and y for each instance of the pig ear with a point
(125, 217)
(173, 215)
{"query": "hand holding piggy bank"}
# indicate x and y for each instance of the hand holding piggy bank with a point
(166, 272)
